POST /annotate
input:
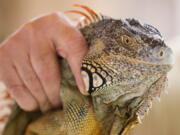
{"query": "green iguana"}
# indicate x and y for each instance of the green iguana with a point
(124, 69)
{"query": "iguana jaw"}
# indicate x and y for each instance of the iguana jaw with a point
(167, 63)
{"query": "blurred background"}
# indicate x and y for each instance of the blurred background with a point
(164, 117)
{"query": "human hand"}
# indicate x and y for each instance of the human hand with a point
(29, 66)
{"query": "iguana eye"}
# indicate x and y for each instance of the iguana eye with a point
(126, 40)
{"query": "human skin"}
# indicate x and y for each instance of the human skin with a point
(29, 66)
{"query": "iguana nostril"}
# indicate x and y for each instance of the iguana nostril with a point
(161, 53)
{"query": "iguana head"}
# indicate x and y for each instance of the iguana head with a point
(126, 48)
(124, 52)
(127, 38)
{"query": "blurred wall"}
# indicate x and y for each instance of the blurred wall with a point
(164, 118)
(164, 14)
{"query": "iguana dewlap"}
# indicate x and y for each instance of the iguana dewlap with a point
(124, 70)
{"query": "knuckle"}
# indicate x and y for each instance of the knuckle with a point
(27, 29)
(56, 15)
(46, 18)
(57, 18)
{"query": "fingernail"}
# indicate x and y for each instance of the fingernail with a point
(84, 92)
(85, 83)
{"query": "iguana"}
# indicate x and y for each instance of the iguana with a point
(124, 69)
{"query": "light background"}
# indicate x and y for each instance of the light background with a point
(164, 117)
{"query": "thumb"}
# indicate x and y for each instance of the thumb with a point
(71, 45)
(73, 50)
(74, 58)
(75, 65)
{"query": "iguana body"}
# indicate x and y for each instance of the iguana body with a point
(124, 70)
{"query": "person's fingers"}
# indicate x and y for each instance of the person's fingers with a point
(46, 66)
(34, 79)
(17, 89)
(75, 65)
(68, 41)
(14, 84)
(73, 48)
(21, 61)
(70, 44)
(32, 82)
(75, 54)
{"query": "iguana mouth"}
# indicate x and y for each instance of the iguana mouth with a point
(158, 57)
(168, 61)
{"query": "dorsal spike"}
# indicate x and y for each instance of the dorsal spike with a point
(93, 14)
(81, 13)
